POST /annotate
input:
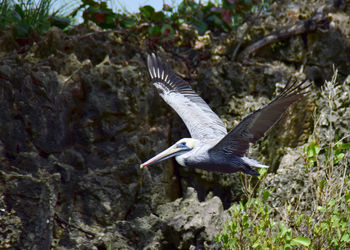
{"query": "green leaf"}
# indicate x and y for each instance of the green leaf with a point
(340, 156)
(128, 23)
(256, 244)
(109, 19)
(147, 11)
(19, 11)
(345, 238)
(245, 219)
(201, 27)
(241, 206)
(232, 242)
(266, 195)
(262, 172)
(301, 241)
(283, 229)
(331, 203)
(325, 226)
(225, 238)
(299, 219)
(158, 16)
(154, 31)
(347, 197)
(287, 247)
(61, 22)
(321, 209)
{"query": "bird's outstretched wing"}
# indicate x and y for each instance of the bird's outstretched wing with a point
(254, 126)
(201, 121)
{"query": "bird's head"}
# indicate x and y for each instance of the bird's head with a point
(182, 146)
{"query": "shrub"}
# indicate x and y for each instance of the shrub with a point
(323, 221)
(163, 24)
(26, 18)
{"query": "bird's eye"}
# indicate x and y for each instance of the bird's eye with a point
(182, 144)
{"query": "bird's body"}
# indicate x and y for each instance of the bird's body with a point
(201, 157)
(211, 147)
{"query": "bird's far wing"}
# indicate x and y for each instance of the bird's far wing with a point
(254, 126)
(201, 121)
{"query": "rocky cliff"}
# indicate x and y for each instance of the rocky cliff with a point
(78, 115)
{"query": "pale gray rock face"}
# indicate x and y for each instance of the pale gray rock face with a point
(182, 224)
(290, 180)
(191, 223)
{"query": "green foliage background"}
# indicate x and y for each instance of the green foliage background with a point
(30, 17)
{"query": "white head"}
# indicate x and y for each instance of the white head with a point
(181, 147)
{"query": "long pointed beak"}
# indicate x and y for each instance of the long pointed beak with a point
(170, 152)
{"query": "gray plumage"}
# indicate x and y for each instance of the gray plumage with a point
(211, 147)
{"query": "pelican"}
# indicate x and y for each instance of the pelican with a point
(211, 147)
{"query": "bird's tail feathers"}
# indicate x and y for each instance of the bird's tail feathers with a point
(253, 163)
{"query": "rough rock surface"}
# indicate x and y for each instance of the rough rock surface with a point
(192, 224)
(78, 115)
(185, 223)
(291, 181)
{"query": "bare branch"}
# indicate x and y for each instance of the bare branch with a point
(319, 21)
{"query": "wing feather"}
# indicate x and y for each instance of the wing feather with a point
(201, 121)
(254, 126)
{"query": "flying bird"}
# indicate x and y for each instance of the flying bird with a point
(211, 147)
